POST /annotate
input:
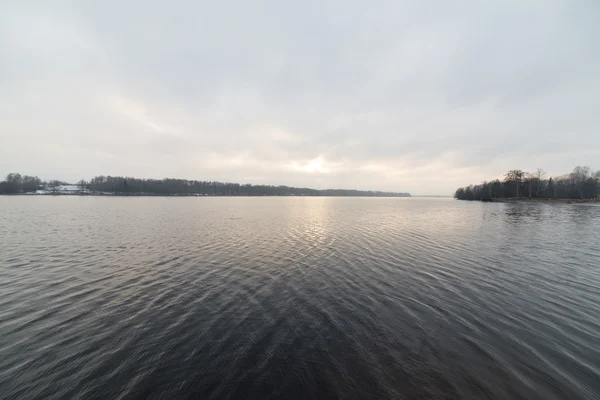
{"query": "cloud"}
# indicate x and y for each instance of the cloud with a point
(393, 95)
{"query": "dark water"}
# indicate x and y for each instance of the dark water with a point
(241, 298)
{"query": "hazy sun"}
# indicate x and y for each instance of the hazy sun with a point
(315, 165)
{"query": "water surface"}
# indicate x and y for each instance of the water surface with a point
(231, 298)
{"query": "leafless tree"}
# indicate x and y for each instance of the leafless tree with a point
(561, 181)
(82, 185)
(539, 174)
(54, 186)
(14, 178)
(529, 177)
(579, 176)
(515, 176)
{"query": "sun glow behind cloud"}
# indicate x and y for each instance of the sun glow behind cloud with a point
(317, 165)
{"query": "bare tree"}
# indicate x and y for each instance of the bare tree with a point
(82, 185)
(515, 176)
(14, 178)
(54, 186)
(529, 177)
(539, 174)
(561, 181)
(579, 176)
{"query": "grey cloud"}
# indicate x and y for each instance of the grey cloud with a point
(393, 95)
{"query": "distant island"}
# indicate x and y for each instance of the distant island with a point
(124, 186)
(581, 185)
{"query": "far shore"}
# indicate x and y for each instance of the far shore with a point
(137, 194)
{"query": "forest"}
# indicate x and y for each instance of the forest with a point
(581, 183)
(19, 184)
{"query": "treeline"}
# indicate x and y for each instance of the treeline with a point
(582, 183)
(16, 183)
(122, 185)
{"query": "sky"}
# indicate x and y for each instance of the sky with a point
(418, 96)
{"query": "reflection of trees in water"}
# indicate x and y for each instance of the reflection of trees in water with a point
(515, 213)
(584, 213)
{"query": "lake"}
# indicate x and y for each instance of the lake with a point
(294, 297)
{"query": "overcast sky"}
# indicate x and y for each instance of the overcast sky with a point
(418, 96)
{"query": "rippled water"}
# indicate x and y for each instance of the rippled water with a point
(231, 298)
